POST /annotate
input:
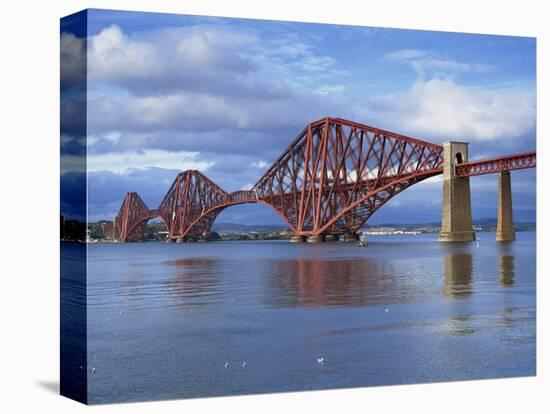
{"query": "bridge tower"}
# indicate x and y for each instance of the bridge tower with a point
(505, 223)
(456, 222)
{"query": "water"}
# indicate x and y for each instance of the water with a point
(164, 320)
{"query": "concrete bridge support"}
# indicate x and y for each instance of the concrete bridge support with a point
(297, 239)
(505, 223)
(351, 237)
(316, 238)
(456, 222)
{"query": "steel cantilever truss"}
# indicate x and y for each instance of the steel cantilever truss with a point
(185, 207)
(132, 218)
(330, 180)
(188, 209)
(337, 173)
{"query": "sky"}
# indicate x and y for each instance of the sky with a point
(167, 93)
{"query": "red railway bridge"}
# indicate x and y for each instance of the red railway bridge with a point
(329, 181)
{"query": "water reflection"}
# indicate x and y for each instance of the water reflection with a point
(295, 282)
(195, 277)
(506, 264)
(459, 326)
(506, 267)
(184, 281)
(351, 282)
(458, 270)
(506, 317)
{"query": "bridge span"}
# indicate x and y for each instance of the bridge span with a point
(329, 181)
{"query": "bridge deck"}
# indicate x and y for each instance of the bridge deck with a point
(499, 164)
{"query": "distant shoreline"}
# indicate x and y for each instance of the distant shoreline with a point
(104, 231)
(285, 237)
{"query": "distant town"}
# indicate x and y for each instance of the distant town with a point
(104, 231)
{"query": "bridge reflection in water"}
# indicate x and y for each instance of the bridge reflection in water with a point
(458, 269)
(311, 282)
(361, 282)
(506, 265)
(195, 278)
(506, 270)
(186, 283)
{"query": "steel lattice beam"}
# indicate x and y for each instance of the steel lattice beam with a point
(496, 165)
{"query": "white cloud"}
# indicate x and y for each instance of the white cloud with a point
(259, 164)
(202, 78)
(207, 59)
(330, 89)
(113, 56)
(247, 187)
(130, 160)
(299, 63)
(436, 181)
(72, 163)
(164, 61)
(441, 109)
(72, 60)
(448, 65)
(190, 111)
(426, 63)
(405, 54)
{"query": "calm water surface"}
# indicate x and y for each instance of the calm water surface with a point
(164, 319)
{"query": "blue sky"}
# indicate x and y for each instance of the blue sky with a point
(168, 93)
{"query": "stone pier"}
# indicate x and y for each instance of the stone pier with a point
(297, 239)
(351, 237)
(456, 221)
(330, 237)
(505, 223)
(315, 238)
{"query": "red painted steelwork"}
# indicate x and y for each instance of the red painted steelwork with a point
(496, 165)
(337, 173)
(330, 180)
(132, 218)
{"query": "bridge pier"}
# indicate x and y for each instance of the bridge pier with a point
(330, 237)
(297, 239)
(456, 221)
(505, 223)
(318, 238)
(351, 237)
